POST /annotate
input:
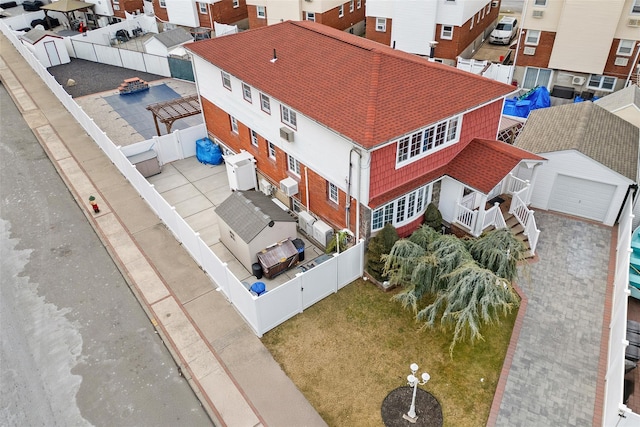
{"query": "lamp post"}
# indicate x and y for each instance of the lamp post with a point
(413, 382)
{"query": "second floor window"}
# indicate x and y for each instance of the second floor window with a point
(203, 8)
(421, 143)
(310, 16)
(533, 37)
(333, 193)
(226, 80)
(381, 25)
(625, 47)
(234, 124)
(261, 11)
(351, 6)
(163, 3)
(265, 103)
(246, 92)
(636, 7)
(341, 11)
(272, 150)
(236, 3)
(254, 138)
(288, 116)
(359, 4)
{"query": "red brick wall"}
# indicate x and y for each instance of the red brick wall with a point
(377, 36)
(331, 19)
(254, 21)
(543, 51)
(481, 123)
(129, 6)
(463, 36)
(223, 12)
(621, 72)
(161, 12)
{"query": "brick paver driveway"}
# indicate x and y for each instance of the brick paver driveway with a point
(552, 381)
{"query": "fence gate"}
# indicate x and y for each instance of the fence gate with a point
(181, 69)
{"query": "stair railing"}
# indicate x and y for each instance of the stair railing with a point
(525, 217)
(465, 216)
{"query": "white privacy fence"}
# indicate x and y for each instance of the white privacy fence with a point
(261, 313)
(615, 412)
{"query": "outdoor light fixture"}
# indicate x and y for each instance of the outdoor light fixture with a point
(413, 382)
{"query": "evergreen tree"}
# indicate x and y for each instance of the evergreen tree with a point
(379, 245)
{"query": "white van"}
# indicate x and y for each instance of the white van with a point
(505, 31)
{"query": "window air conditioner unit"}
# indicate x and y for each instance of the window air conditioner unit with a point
(621, 61)
(305, 222)
(633, 22)
(289, 186)
(538, 13)
(266, 187)
(286, 134)
(322, 233)
(577, 80)
(528, 50)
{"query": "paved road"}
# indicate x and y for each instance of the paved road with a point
(76, 347)
(513, 6)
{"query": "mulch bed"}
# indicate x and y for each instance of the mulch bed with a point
(397, 403)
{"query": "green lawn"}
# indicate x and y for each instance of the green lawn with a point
(347, 352)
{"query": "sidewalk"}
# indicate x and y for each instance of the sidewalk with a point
(234, 376)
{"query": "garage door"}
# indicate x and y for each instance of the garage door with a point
(581, 197)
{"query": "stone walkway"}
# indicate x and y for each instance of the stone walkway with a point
(552, 381)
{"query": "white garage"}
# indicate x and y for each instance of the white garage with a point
(592, 160)
(581, 197)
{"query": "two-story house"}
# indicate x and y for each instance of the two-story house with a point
(457, 27)
(203, 14)
(354, 132)
(343, 15)
(590, 46)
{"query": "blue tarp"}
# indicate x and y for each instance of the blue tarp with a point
(207, 152)
(532, 100)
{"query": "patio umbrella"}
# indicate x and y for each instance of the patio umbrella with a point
(66, 6)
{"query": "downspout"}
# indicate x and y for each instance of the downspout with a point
(633, 187)
(211, 19)
(348, 207)
(306, 188)
(520, 34)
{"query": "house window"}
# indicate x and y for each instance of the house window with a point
(261, 11)
(272, 150)
(254, 138)
(226, 80)
(604, 83)
(351, 6)
(625, 47)
(163, 3)
(533, 37)
(265, 103)
(447, 32)
(234, 124)
(420, 143)
(288, 116)
(402, 210)
(246, 92)
(236, 3)
(293, 164)
(381, 25)
(540, 3)
(203, 8)
(333, 193)
(341, 11)
(310, 16)
(636, 7)
(359, 4)
(536, 77)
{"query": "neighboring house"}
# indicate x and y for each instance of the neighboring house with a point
(120, 7)
(585, 45)
(47, 46)
(411, 26)
(592, 165)
(342, 15)
(163, 43)
(193, 14)
(624, 103)
(368, 135)
(249, 222)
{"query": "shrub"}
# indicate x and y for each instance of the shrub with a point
(433, 217)
(379, 245)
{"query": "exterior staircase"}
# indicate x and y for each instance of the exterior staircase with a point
(512, 223)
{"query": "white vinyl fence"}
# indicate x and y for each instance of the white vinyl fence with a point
(615, 412)
(261, 313)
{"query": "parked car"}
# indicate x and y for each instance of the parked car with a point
(505, 31)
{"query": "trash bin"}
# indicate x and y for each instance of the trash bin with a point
(257, 270)
(258, 288)
(299, 244)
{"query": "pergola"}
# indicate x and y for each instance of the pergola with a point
(67, 7)
(170, 111)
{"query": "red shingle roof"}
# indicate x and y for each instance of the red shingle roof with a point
(481, 165)
(364, 90)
